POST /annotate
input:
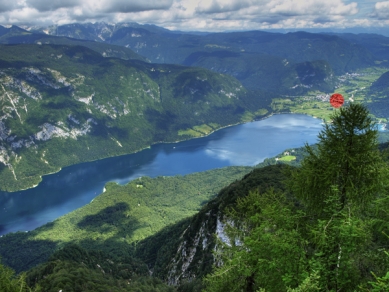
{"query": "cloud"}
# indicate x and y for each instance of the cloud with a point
(126, 6)
(205, 15)
(218, 6)
(6, 5)
(381, 10)
(311, 7)
(50, 5)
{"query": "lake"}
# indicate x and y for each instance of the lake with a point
(74, 186)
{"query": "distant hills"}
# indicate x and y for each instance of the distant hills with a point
(16, 35)
(252, 56)
(376, 44)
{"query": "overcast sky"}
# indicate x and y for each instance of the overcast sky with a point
(204, 15)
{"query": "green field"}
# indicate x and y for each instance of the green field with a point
(287, 158)
(355, 85)
(199, 131)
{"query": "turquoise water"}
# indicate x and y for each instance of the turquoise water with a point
(75, 186)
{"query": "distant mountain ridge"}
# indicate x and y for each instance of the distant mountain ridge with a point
(16, 35)
(338, 54)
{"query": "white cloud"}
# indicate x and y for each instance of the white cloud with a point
(125, 6)
(206, 15)
(311, 7)
(218, 6)
(381, 10)
(45, 5)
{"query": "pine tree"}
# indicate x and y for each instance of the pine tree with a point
(336, 183)
(346, 163)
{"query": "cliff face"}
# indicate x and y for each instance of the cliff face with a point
(187, 250)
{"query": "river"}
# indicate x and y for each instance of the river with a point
(74, 186)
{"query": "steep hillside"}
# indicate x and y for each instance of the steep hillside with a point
(183, 251)
(381, 85)
(379, 92)
(62, 105)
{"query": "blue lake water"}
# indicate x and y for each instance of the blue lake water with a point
(75, 186)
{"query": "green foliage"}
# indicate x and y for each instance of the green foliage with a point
(276, 247)
(265, 251)
(325, 239)
(381, 284)
(161, 250)
(11, 283)
(347, 163)
(119, 217)
(339, 244)
(75, 269)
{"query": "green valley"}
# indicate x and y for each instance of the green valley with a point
(355, 86)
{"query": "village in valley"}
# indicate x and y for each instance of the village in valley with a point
(352, 86)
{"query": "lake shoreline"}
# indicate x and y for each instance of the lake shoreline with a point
(245, 144)
(153, 144)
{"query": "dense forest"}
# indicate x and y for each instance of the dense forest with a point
(321, 226)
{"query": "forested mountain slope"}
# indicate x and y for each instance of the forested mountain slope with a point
(62, 105)
(119, 218)
(184, 251)
(379, 92)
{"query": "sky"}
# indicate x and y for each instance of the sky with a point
(201, 15)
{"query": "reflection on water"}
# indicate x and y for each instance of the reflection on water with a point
(259, 140)
(77, 185)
